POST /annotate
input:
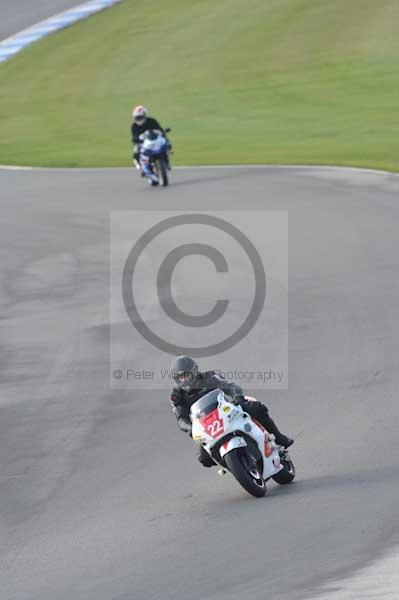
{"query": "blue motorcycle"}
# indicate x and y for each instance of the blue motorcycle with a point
(154, 157)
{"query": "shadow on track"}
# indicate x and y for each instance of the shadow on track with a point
(311, 485)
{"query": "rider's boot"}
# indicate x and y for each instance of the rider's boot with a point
(146, 170)
(205, 459)
(281, 439)
(154, 179)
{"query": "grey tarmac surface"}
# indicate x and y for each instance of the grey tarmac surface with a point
(101, 495)
(16, 15)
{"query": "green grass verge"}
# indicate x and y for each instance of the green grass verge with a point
(265, 81)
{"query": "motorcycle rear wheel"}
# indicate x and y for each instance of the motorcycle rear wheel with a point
(287, 473)
(236, 465)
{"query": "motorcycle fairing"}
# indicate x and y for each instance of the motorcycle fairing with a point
(229, 418)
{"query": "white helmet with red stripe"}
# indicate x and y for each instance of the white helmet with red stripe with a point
(139, 114)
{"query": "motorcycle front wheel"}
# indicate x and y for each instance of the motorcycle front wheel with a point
(162, 172)
(251, 481)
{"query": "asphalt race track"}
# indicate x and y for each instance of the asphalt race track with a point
(101, 495)
(16, 15)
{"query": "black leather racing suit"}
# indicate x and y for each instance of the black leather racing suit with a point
(181, 402)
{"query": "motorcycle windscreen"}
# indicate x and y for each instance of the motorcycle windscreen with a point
(205, 405)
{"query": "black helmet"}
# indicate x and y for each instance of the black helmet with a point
(185, 371)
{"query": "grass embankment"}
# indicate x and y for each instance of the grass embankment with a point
(267, 81)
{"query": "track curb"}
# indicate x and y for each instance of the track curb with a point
(17, 42)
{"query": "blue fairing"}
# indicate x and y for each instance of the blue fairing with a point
(161, 150)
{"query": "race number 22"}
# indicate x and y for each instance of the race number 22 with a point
(215, 428)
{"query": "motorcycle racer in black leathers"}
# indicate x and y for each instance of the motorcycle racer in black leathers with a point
(191, 384)
(142, 123)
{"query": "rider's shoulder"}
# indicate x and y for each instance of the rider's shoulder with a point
(175, 392)
(212, 375)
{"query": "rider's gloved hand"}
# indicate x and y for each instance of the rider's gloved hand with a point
(239, 399)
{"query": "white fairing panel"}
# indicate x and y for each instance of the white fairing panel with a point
(154, 145)
(227, 418)
(271, 464)
(235, 442)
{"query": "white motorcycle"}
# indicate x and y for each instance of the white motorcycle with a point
(239, 443)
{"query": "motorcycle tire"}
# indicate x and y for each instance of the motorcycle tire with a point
(236, 466)
(287, 473)
(162, 172)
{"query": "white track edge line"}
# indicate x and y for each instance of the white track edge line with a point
(188, 167)
(20, 40)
